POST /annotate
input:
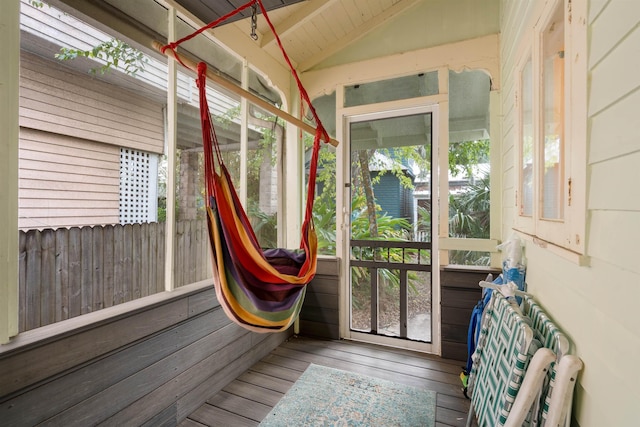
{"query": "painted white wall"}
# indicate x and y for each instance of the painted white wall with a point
(596, 305)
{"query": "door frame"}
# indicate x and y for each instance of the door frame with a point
(420, 105)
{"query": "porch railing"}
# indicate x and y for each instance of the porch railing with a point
(400, 256)
(65, 273)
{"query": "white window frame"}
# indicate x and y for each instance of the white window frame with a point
(448, 243)
(564, 236)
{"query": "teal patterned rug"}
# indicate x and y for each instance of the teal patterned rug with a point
(330, 397)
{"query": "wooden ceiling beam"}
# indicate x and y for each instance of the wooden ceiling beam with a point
(305, 14)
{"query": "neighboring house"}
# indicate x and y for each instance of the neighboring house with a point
(394, 199)
(91, 143)
(88, 150)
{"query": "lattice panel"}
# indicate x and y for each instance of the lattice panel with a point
(135, 186)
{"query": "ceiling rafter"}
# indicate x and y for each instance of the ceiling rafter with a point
(305, 14)
(357, 33)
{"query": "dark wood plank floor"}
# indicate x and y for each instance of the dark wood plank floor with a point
(248, 399)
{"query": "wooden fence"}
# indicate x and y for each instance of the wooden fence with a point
(68, 272)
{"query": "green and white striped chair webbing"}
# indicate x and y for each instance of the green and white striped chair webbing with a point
(552, 338)
(500, 363)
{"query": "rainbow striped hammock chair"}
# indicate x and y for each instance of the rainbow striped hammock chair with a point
(261, 290)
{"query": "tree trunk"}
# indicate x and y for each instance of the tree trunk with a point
(365, 176)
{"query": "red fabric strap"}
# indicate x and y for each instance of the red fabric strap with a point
(174, 45)
(210, 141)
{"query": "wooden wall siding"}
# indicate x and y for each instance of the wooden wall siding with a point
(56, 99)
(152, 362)
(48, 26)
(65, 181)
(460, 293)
(320, 315)
(65, 273)
(602, 324)
(45, 28)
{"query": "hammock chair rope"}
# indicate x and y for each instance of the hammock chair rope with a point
(261, 290)
(192, 65)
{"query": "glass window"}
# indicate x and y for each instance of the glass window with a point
(423, 84)
(266, 136)
(553, 116)
(552, 145)
(469, 163)
(526, 139)
(260, 86)
(87, 191)
(324, 206)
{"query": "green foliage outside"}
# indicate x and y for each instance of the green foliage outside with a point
(115, 53)
(464, 155)
(38, 4)
(386, 227)
(469, 209)
(264, 225)
(469, 218)
(389, 229)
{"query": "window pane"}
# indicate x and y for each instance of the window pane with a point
(423, 84)
(263, 88)
(191, 252)
(553, 116)
(88, 191)
(324, 206)
(265, 139)
(469, 258)
(526, 120)
(469, 166)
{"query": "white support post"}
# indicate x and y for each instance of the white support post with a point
(172, 136)
(343, 211)
(244, 136)
(293, 179)
(443, 166)
(292, 182)
(495, 154)
(9, 94)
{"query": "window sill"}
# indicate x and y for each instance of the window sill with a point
(569, 255)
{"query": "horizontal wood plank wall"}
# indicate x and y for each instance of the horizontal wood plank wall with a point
(66, 181)
(150, 361)
(320, 316)
(460, 293)
(56, 99)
